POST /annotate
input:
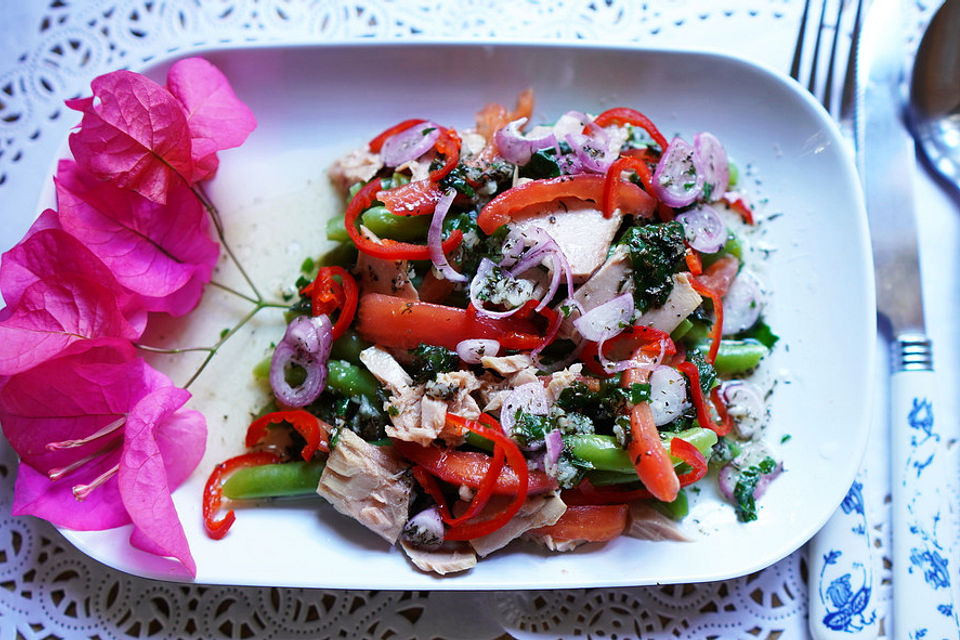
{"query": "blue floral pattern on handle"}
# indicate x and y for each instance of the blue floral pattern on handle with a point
(927, 556)
(846, 602)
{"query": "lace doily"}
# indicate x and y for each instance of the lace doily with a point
(52, 590)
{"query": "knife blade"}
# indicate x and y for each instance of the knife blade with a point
(923, 595)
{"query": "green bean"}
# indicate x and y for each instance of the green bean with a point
(732, 247)
(697, 333)
(734, 174)
(676, 510)
(384, 224)
(478, 441)
(599, 478)
(604, 454)
(681, 330)
(736, 356)
(274, 480)
(351, 380)
(348, 347)
(337, 230)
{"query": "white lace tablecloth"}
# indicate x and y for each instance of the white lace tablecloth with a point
(51, 49)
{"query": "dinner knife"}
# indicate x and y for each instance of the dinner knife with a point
(923, 530)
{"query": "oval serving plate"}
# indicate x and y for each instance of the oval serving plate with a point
(314, 103)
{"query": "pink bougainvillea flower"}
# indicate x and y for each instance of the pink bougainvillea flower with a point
(133, 133)
(93, 429)
(162, 252)
(53, 314)
(217, 119)
(144, 478)
(48, 253)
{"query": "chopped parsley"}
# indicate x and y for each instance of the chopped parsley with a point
(746, 504)
(429, 360)
(656, 253)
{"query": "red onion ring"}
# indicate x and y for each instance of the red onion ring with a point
(730, 473)
(596, 152)
(485, 272)
(676, 180)
(516, 147)
(668, 394)
(435, 238)
(409, 144)
(742, 304)
(473, 350)
(745, 405)
(547, 246)
(528, 398)
(710, 160)
(306, 344)
(606, 320)
(704, 229)
(554, 442)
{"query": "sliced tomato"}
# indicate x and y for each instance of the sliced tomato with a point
(404, 324)
(469, 468)
(719, 275)
(649, 456)
(500, 210)
(593, 523)
(412, 199)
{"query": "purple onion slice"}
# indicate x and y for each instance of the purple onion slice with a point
(704, 228)
(676, 180)
(409, 144)
(710, 160)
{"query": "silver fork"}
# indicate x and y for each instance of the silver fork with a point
(841, 583)
(823, 88)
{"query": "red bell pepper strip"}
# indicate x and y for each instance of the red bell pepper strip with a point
(314, 430)
(699, 401)
(448, 146)
(694, 264)
(738, 204)
(213, 490)
(716, 331)
(682, 449)
(429, 484)
(625, 115)
(386, 248)
(471, 530)
(500, 210)
(404, 324)
(377, 143)
(327, 295)
(593, 523)
(726, 422)
(487, 485)
(469, 467)
(611, 182)
(639, 336)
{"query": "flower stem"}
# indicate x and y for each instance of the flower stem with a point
(239, 294)
(218, 224)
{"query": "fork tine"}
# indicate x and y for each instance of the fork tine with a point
(798, 50)
(828, 87)
(849, 77)
(812, 80)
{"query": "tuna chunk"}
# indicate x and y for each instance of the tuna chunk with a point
(615, 277)
(367, 483)
(441, 561)
(646, 523)
(581, 230)
(681, 302)
(389, 277)
(360, 165)
(537, 511)
(385, 368)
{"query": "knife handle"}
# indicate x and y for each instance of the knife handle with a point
(841, 585)
(923, 524)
